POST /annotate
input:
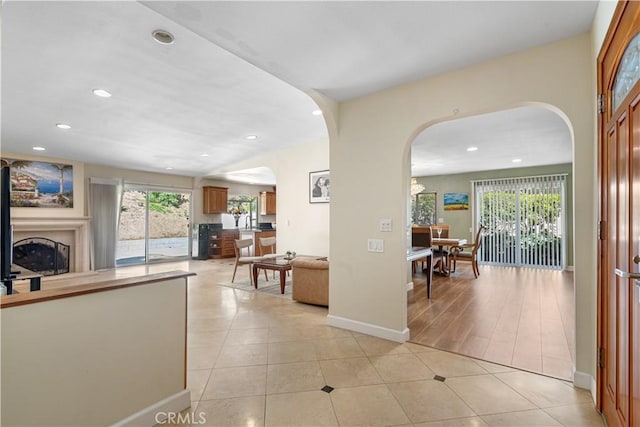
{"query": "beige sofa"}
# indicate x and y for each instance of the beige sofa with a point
(310, 280)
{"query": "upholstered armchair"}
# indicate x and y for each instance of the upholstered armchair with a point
(310, 280)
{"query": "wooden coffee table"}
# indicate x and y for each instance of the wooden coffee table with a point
(276, 264)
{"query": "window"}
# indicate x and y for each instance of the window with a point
(243, 210)
(423, 209)
(154, 225)
(525, 220)
(628, 72)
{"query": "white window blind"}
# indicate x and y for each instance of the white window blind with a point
(525, 221)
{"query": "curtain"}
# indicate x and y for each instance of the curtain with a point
(104, 209)
(524, 219)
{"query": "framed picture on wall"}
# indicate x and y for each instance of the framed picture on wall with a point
(456, 201)
(319, 187)
(37, 184)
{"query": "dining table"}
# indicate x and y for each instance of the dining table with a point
(417, 253)
(449, 242)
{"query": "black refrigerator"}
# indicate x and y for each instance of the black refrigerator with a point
(201, 239)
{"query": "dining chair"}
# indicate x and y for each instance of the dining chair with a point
(268, 249)
(420, 237)
(468, 252)
(239, 245)
(267, 246)
(444, 233)
(440, 255)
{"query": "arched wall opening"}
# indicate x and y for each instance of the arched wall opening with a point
(370, 172)
(531, 132)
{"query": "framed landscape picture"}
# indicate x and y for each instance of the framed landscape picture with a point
(456, 201)
(40, 184)
(319, 187)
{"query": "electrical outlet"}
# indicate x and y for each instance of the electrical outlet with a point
(440, 220)
(375, 245)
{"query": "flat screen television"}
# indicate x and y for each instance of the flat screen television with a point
(6, 234)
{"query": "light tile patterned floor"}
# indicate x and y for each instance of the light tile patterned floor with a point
(256, 360)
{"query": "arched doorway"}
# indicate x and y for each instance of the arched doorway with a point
(511, 315)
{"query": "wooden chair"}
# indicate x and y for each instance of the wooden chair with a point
(420, 237)
(445, 230)
(239, 245)
(268, 250)
(267, 246)
(440, 255)
(468, 252)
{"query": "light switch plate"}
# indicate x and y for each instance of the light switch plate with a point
(385, 224)
(375, 245)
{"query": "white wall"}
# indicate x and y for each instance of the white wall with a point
(301, 227)
(369, 165)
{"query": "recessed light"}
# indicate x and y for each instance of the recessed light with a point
(169, 168)
(162, 36)
(252, 136)
(39, 148)
(102, 93)
(516, 160)
(472, 149)
(317, 112)
(63, 126)
(204, 155)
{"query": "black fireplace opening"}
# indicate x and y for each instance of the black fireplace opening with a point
(41, 255)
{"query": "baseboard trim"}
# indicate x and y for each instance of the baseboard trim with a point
(158, 412)
(409, 286)
(369, 329)
(586, 381)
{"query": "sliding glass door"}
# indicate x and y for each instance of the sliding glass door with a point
(154, 225)
(525, 221)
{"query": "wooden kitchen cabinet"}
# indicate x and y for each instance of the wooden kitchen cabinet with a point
(267, 203)
(221, 243)
(214, 199)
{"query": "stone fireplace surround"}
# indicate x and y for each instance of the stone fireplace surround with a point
(74, 232)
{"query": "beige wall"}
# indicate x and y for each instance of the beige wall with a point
(78, 209)
(370, 162)
(302, 227)
(461, 221)
(73, 361)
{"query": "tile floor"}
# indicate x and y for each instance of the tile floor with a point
(257, 360)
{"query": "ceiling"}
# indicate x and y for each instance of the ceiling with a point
(519, 137)
(242, 68)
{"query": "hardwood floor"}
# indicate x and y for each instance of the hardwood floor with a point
(517, 317)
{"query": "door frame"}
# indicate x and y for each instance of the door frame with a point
(148, 188)
(619, 34)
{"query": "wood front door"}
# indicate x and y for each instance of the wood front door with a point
(619, 249)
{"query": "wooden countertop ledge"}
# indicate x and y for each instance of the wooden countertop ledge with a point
(7, 301)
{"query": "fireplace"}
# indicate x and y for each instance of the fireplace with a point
(42, 255)
(72, 232)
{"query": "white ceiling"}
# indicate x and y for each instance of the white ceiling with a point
(534, 135)
(241, 68)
